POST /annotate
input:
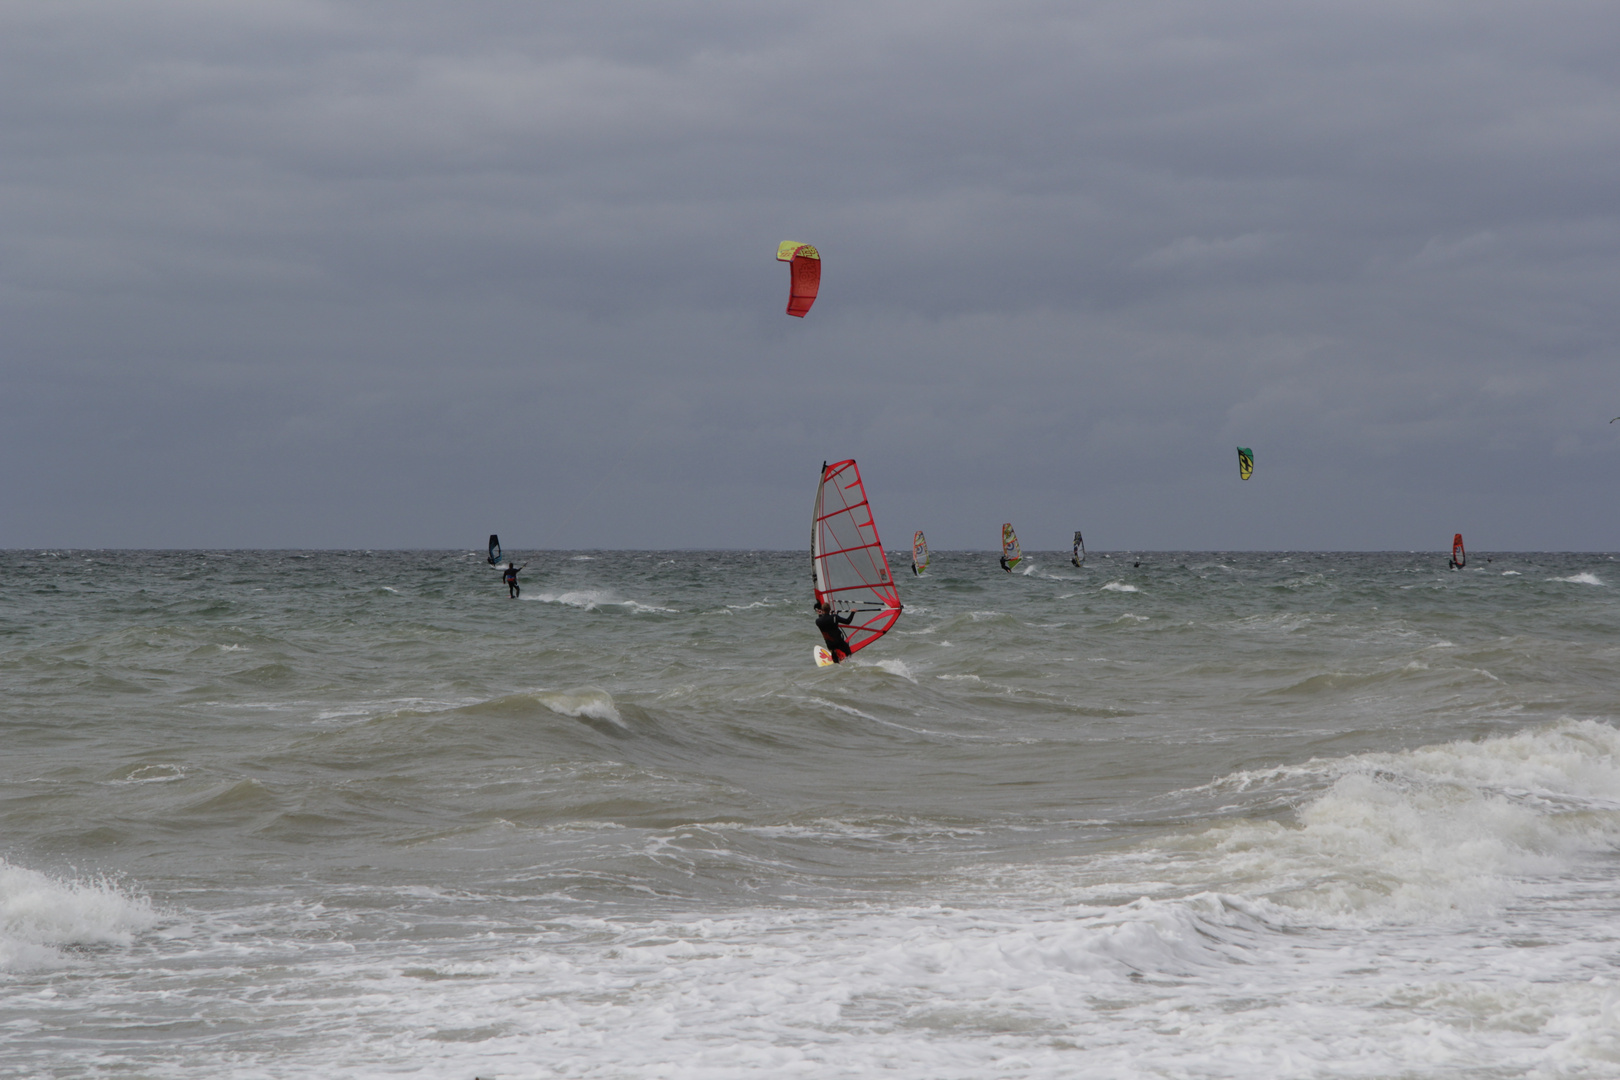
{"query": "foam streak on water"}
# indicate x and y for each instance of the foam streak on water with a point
(357, 814)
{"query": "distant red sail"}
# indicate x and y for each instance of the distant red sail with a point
(1459, 557)
(805, 264)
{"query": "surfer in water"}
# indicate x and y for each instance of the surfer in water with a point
(509, 575)
(1006, 565)
(828, 624)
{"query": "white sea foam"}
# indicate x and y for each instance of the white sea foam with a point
(40, 915)
(1424, 833)
(587, 701)
(1210, 984)
(155, 773)
(1120, 586)
(847, 709)
(1384, 925)
(897, 667)
(594, 600)
(1579, 579)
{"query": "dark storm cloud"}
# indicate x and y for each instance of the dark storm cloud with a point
(401, 274)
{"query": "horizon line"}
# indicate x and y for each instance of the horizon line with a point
(1095, 553)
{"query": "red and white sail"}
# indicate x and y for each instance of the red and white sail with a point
(850, 569)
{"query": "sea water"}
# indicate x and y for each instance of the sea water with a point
(359, 814)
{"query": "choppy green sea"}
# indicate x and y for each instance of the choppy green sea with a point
(358, 814)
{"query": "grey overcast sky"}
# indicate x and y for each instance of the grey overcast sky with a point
(293, 273)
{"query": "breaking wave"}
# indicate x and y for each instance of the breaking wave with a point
(40, 915)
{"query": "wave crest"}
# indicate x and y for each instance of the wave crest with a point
(40, 914)
(595, 600)
(587, 702)
(1440, 830)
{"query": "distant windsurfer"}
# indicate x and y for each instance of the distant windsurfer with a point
(510, 577)
(828, 624)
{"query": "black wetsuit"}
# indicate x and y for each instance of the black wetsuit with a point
(1004, 565)
(510, 577)
(828, 624)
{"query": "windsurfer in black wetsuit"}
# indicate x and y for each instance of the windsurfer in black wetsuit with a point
(1005, 565)
(828, 624)
(510, 577)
